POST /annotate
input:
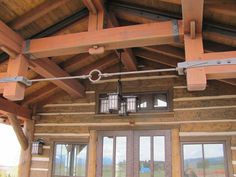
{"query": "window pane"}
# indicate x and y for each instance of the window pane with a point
(121, 143)
(107, 157)
(159, 156)
(62, 159)
(80, 159)
(131, 104)
(193, 160)
(214, 160)
(160, 101)
(145, 156)
(104, 105)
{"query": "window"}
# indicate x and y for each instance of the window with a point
(70, 160)
(139, 102)
(134, 154)
(204, 160)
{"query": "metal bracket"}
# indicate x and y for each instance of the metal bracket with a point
(198, 64)
(19, 79)
(26, 50)
(175, 30)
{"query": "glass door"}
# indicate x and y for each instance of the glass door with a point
(152, 154)
(134, 154)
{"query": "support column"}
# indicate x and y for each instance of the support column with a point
(18, 131)
(25, 157)
(92, 159)
(176, 160)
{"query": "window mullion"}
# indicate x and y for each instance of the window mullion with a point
(72, 161)
(203, 157)
(152, 156)
(114, 157)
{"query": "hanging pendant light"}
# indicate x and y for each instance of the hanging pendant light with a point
(117, 103)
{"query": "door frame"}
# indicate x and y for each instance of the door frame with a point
(132, 150)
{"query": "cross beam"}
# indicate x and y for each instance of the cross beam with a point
(110, 39)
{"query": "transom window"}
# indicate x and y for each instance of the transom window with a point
(139, 102)
(204, 160)
(70, 160)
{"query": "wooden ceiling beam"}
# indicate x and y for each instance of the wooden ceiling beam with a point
(36, 13)
(167, 50)
(101, 64)
(10, 42)
(96, 14)
(47, 68)
(128, 58)
(9, 107)
(156, 57)
(110, 39)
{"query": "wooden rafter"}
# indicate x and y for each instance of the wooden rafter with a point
(110, 39)
(36, 13)
(128, 58)
(8, 107)
(156, 57)
(96, 14)
(47, 68)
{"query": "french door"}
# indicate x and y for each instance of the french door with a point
(134, 154)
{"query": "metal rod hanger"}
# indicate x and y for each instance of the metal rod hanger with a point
(98, 74)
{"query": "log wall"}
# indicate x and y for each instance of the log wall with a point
(210, 114)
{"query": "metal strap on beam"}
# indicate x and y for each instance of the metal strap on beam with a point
(175, 30)
(198, 64)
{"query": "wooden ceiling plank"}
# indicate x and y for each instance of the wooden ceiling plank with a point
(36, 13)
(7, 106)
(47, 68)
(110, 39)
(128, 58)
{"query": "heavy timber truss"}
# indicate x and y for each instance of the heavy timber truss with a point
(35, 53)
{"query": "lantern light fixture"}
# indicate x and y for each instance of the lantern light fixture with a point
(37, 147)
(117, 102)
